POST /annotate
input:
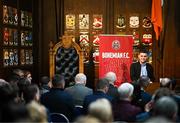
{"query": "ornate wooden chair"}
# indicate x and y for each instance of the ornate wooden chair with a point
(66, 58)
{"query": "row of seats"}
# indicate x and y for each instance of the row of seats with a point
(59, 117)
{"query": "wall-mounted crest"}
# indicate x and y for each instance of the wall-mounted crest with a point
(70, 21)
(83, 21)
(121, 22)
(146, 22)
(134, 22)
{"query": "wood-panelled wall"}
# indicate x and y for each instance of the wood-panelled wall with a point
(166, 52)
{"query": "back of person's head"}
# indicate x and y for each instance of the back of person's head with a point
(18, 72)
(103, 84)
(15, 112)
(158, 119)
(45, 80)
(177, 90)
(13, 78)
(31, 93)
(6, 93)
(166, 107)
(22, 84)
(111, 77)
(26, 73)
(101, 109)
(125, 91)
(144, 81)
(15, 91)
(80, 78)
(37, 112)
(165, 82)
(161, 92)
(87, 119)
(58, 81)
(3, 82)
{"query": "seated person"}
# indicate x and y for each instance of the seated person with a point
(167, 83)
(79, 90)
(142, 67)
(57, 100)
(45, 84)
(166, 107)
(123, 109)
(161, 92)
(102, 110)
(111, 77)
(140, 96)
(102, 88)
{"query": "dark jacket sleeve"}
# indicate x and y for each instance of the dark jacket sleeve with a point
(150, 72)
(135, 71)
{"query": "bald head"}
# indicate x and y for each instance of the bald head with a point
(165, 82)
(80, 78)
(111, 77)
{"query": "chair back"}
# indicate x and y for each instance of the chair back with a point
(78, 110)
(58, 118)
(66, 58)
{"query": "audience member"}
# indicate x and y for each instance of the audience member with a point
(111, 77)
(37, 112)
(15, 112)
(15, 76)
(161, 92)
(158, 120)
(27, 74)
(101, 90)
(22, 84)
(166, 107)
(123, 109)
(79, 90)
(32, 97)
(10, 110)
(87, 119)
(102, 110)
(57, 100)
(13, 79)
(177, 90)
(140, 96)
(45, 84)
(3, 82)
(18, 72)
(6, 93)
(15, 92)
(31, 93)
(165, 82)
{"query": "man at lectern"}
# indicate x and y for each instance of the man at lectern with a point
(142, 67)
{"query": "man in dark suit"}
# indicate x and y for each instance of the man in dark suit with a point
(141, 68)
(102, 88)
(57, 100)
(79, 90)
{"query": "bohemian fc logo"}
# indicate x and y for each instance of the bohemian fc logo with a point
(116, 44)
